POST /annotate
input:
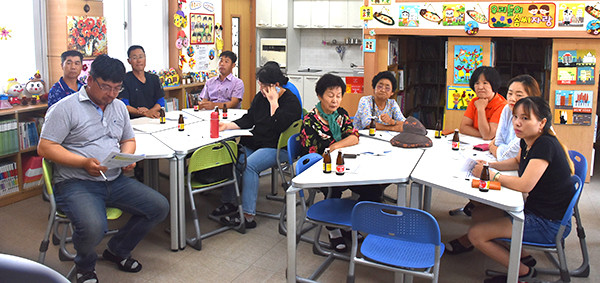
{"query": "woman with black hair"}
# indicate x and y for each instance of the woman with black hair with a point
(379, 106)
(272, 111)
(483, 112)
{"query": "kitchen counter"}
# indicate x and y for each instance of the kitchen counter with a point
(321, 71)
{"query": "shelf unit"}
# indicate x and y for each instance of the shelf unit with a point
(425, 91)
(180, 92)
(21, 113)
(516, 56)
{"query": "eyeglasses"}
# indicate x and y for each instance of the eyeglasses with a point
(137, 57)
(384, 87)
(107, 88)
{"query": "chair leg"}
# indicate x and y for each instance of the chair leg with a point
(64, 254)
(46, 240)
(584, 269)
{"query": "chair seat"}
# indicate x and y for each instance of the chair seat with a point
(399, 253)
(542, 245)
(112, 213)
(198, 185)
(333, 210)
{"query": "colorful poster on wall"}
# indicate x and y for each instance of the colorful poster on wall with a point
(567, 75)
(567, 58)
(454, 15)
(563, 107)
(458, 97)
(202, 28)
(522, 15)
(380, 2)
(477, 14)
(466, 59)
(582, 107)
(585, 76)
(571, 14)
(369, 45)
(85, 70)
(409, 15)
(86, 35)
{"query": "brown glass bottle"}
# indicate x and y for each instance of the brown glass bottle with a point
(326, 161)
(196, 105)
(180, 123)
(162, 118)
(484, 178)
(455, 140)
(438, 130)
(224, 111)
(340, 168)
(372, 127)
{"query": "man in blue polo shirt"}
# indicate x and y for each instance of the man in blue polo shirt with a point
(71, 62)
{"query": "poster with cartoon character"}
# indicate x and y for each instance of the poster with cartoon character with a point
(571, 14)
(454, 15)
(202, 28)
(459, 97)
(409, 15)
(466, 59)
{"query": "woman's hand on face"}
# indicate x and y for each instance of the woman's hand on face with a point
(270, 92)
(481, 103)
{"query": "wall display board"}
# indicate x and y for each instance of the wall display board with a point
(466, 59)
(203, 18)
(547, 15)
(573, 107)
(576, 67)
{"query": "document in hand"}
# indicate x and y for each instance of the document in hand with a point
(118, 159)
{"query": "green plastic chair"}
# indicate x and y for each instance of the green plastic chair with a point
(205, 158)
(57, 218)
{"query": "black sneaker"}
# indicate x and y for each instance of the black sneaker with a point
(87, 277)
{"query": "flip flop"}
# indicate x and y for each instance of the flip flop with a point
(234, 220)
(126, 264)
(457, 248)
(226, 208)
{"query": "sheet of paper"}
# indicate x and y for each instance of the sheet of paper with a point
(118, 160)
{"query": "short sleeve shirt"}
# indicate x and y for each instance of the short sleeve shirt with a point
(492, 111)
(362, 119)
(315, 135)
(219, 91)
(83, 128)
(138, 94)
(551, 195)
(61, 90)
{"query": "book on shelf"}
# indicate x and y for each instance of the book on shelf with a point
(171, 104)
(9, 140)
(9, 179)
(28, 134)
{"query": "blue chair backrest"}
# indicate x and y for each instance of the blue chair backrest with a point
(293, 147)
(306, 161)
(580, 164)
(578, 186)
(409, 224)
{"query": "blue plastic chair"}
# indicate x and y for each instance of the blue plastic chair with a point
(580, 164)
(328, 212)
(400, 239)
(558, 246)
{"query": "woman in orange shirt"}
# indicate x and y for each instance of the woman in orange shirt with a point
(483, 112)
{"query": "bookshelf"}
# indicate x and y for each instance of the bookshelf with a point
(18, 151)
(180, 92)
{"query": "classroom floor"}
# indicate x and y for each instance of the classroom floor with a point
(260, 254)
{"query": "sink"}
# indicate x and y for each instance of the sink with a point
(309, 70)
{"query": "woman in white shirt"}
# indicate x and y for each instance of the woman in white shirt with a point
(506, 144)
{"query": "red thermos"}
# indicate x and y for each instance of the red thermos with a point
(214, 124)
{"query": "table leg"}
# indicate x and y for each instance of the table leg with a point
(291, 233)
(515, 246)
(181, 199)
(174, 203)
(427, 198)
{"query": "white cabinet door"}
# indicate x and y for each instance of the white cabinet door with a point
(353, 15)
(338, 17)
(298, 82)
(279, 13)
(319, 17)
(302, 13)
(263, 13)
(309, 96)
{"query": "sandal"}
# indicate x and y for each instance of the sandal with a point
(126, 264)
(529, 261)
(87, 277)
(224, 209)
(457, 248)
(234, 220)
(525, 278)
(338, 244)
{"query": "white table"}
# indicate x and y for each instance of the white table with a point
(394, 166)
(438, 168)
(149, 125)
(232, 114)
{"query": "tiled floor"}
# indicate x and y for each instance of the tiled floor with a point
(260, 254)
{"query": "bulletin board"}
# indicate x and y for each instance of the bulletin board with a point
(203, 17)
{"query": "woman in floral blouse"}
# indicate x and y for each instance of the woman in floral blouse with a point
(329, 126)
(380, 106)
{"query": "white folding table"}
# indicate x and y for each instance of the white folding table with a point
(378, 162)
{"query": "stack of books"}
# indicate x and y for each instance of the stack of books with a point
(9, 179)
(171, 104)
(28, 134)
(9, 137)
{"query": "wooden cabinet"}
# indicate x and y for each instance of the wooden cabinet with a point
(181, 91)
(271, 13)
(15, 158)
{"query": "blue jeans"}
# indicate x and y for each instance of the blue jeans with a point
(256, 162)
(84, 203)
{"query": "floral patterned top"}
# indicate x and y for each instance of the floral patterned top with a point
(315, 135)
(362, 119)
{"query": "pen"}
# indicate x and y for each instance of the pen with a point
(102, 173)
